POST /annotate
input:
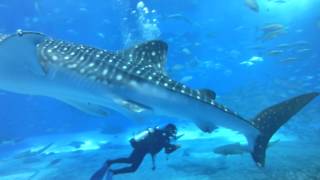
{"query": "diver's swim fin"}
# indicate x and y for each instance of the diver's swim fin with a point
(98, 175)
(109, 175)
(271, 119)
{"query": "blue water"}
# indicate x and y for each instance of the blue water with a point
(208, 43)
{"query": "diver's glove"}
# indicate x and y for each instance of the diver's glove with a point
(171, 148)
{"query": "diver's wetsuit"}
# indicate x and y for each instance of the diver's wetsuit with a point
(152, 144)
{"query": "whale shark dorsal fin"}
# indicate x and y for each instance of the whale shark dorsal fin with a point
(152, 53)
(208, 93)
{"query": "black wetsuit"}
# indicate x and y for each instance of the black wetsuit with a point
(152, 144)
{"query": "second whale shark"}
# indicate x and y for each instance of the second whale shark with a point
(132, 82)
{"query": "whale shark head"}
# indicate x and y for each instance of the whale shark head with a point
(18, 60)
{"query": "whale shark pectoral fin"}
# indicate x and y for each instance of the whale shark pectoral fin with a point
(134, 110)
(89, 108)
(271, 119)
(135, 106)
(21, 48)
(152, 53)
(132, 106)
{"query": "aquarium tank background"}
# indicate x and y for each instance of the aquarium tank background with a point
(252, 54)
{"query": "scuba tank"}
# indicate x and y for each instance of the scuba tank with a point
(136, 140)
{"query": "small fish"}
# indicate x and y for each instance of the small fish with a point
(231, 149)
(236, 149)
(304, 50)
(290, 59)
(271, 35)
(76, 144)
(256, 47)
(227, 72)
(271, 31)
(247, 63)
(83, 9)
(186, 79)
(252, 61)
(253, 5)
(238, 28)
(101, 35)
(186, 51)
(9, 141)
(234, 54)
(256, 59)
(197, 44)
(140, 5)
(71, 31)
(36, 6)
(275, 52)
(178, 17)
(284, 46)
(29, 153)
(273, 27)
(54, 162)
(301, 43)
(211, 35)
(309, 77)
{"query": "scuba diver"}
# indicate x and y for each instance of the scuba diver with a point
(150, 141)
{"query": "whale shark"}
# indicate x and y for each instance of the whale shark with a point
(132, 82)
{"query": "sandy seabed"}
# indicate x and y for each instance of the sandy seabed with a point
(292, 160)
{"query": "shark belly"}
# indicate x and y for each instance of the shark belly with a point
(167, 103)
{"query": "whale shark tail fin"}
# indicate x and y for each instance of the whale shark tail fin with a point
(271, 119)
